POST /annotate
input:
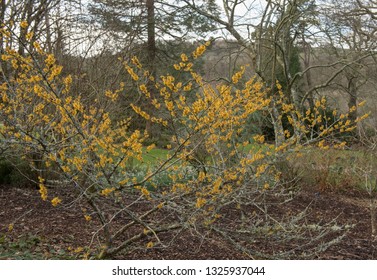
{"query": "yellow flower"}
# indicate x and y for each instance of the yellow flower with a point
(143, 88)
(169, 105)
(184, 57)
(151, 147)
(259, 139)
(79, 250)
(187, 87)
(55, 71)
(43, 191)
(238, 75)
(55, 201)
(66, 169)
(278, 85)
(177, 67)
(145, 192)
(135, 61)
(10, 227)
(160, 205)
(199, 51)
(87, 217)
(107, 191)
(188, 66)
(131, 72)
(200, 202)
(150, 244)
(36, 45)
(216, 185)
(29, 36)
(322, 145)
(260, 169)
(111, 95)
(50, 60)
(201, 176)
(24, 24)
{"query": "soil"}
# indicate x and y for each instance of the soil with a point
(63, 230)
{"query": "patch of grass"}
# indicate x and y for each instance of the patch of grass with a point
(255, 147)
(149, 158)
(334, 169)
(154, 156)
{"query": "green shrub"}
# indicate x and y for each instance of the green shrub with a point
(16, 173)
(6, 170)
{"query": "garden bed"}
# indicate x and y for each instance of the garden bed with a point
(41, 231)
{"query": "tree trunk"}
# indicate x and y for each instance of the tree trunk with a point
(3, 66)
(48, 33)
(308, 74)
(278, 126)
(352, 101)
(26, 15)
(151, 56)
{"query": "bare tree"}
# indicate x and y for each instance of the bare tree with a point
(352, 34)
(281, 28)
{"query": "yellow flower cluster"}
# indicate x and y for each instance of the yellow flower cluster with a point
(56, 201)
(43, 191)
(200, 202)
(200, 50)
(10, 227)
(107, 191)
(130, 71)
(24, 24)
(135, 61)
(113, 96)
(38, 106)
(238, 75)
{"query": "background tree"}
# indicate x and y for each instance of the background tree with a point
(353, 43)
(280, 32)
(146, 24)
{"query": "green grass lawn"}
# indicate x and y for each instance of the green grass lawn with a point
(154, 156)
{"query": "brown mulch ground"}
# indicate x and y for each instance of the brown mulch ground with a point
(58, 229)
